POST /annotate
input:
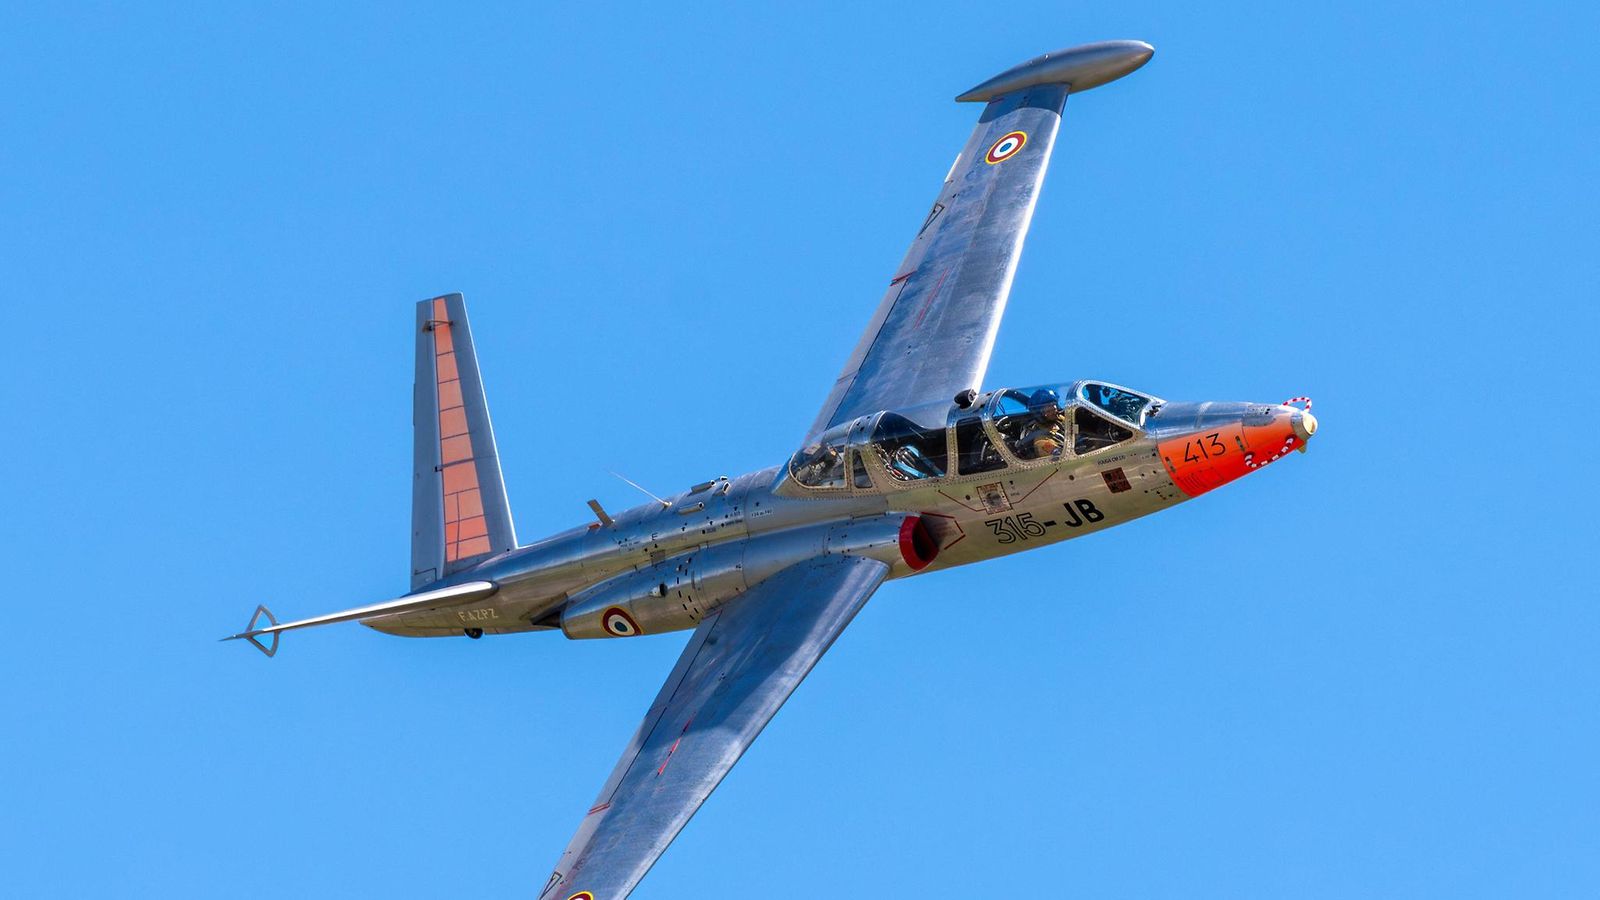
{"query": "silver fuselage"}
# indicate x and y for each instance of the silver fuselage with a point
(973, 517)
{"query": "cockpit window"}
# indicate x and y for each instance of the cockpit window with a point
(1095, 433)
(820, 464)
(858, 471)
(910, 451)
(974, 451)
(1032, 423)
(1120, 402)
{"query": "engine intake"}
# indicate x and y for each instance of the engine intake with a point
(917, 544)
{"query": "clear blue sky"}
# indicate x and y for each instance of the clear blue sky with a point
(1373, 670)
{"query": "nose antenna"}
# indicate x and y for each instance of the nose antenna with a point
(1305, 424)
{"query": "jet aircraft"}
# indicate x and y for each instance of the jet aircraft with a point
(909, 467)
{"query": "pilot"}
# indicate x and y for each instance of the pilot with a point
(821, 464)
(1047, 433)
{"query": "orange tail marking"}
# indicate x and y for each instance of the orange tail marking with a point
(465, 531)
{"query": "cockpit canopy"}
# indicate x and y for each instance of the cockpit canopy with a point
(1119, 401)
(1008, 428)
(820, 464)
(910, 450)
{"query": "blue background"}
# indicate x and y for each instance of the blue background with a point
(1368, 671)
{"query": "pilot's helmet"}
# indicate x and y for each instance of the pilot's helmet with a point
(1044, 397)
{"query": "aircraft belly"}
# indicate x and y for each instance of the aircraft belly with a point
(499, 614)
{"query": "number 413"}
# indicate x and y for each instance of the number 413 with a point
(1208, 446)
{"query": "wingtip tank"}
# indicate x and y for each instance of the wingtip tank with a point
(1080, 68)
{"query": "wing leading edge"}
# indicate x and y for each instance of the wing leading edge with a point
(933, 331)
(739, 667)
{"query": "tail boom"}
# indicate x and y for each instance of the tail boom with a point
(455, 595)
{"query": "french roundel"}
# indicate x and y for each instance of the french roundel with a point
(617, 622)
(1006, 147)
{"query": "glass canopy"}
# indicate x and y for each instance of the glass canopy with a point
(1120, 402)
(1013, 427)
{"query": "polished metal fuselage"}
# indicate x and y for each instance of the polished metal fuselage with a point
(973, 518)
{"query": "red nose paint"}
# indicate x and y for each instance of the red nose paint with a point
(1209, 459)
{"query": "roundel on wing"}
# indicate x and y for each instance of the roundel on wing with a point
(1006, 147)
(618, 623)
(581, 895)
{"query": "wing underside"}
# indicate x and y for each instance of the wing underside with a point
(935, 327)
(739, 667)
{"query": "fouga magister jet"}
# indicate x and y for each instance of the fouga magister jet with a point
(909, 467)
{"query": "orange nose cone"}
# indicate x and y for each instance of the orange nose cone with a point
(1268, 442)
(1211, 458)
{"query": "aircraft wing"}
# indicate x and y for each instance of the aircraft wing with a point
(740, 665)
(935, 327)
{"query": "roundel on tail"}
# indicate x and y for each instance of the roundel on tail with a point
(1006, 147)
